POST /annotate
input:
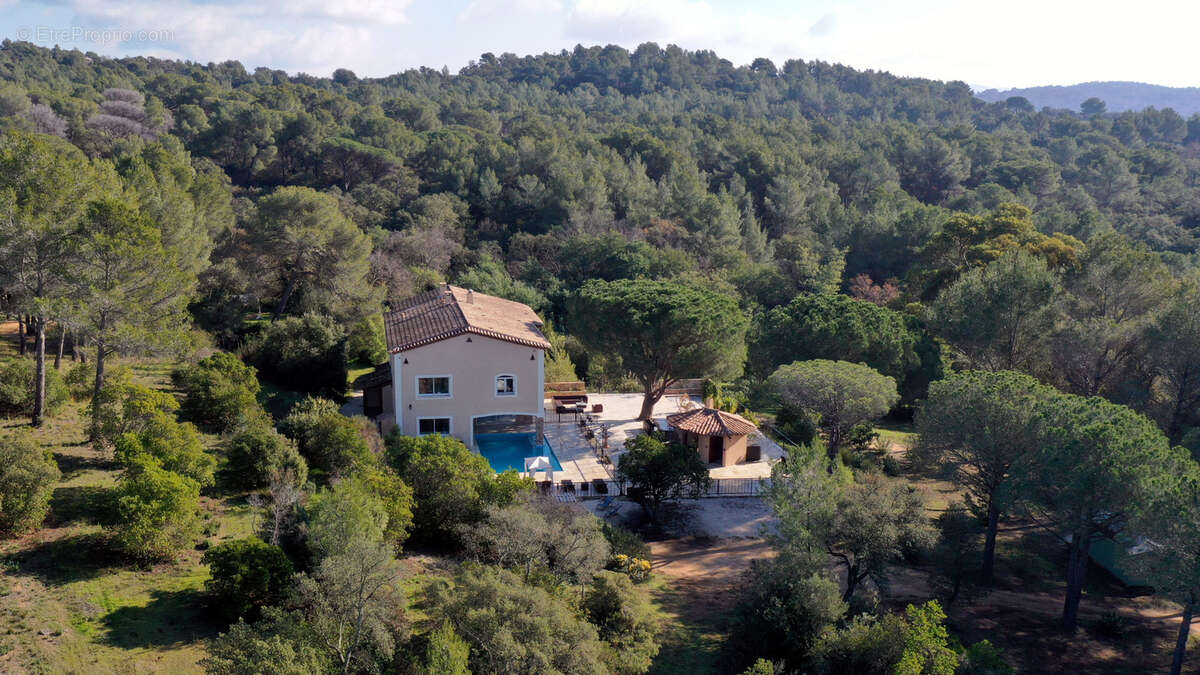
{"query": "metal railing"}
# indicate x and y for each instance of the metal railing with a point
(717, 487)
(737, 487)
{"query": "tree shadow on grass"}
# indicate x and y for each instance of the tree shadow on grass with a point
(87, 504)
(170, 618)
(65, 560)
(72, 464)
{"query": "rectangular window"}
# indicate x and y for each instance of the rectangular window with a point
(506, 385)
(433, 386)
(433, 425)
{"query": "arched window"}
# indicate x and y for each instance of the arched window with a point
(506, 385)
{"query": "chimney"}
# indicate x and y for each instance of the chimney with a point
(470, 296)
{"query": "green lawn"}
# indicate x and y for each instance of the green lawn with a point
(689, 646)
(69, 604)
(897, 435)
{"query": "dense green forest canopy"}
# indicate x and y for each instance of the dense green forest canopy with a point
(832, 245)
(527, 176)
(672, 146)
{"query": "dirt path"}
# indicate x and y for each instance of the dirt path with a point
(706, 572)
(8, 337)
(695, 586)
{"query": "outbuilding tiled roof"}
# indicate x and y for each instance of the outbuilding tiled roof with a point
(711, 422)
(448, 311)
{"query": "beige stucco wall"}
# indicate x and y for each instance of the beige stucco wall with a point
(472, 368)
(734, 451)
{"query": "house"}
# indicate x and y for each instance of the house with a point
(719, 437)
(461, 364)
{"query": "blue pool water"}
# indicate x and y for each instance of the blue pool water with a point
(508, 451)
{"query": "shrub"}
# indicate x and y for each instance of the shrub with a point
(219, 391)
(343, 512)
(27, 477)
(913, 644)
(867, 645)
(926, 642)
(282, 643)
(354, 604)
(624, 542)
(365, 345)
(16, 388)
(156, 512)
(637, 569)
(783, 610)
(1191, 441)
(451, 485)
(795, 426)
(860, 449)
(80, 379)
(515, 628)
(447, 653)
(984, 658)
(1111, 626)
(245, 576)
(330, 441)
(335, 446)
(760, 667)
(302, 353)
(543, 539)
(397, 499)
(304, 416)
(255, 452)
(124, 407)
(625, 620)
(177, 447)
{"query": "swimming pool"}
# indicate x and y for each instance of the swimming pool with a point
(508, 451)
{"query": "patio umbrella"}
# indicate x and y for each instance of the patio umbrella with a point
(540, 463)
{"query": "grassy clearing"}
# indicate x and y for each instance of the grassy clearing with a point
(896, 436)
(355, 373)
(691, 643)
(68, 604)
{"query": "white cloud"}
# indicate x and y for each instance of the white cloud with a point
(300, 36)
(368, 12)
(350, 11)
(506, 10)
(624, 20)
(824, 26)
(1021, 42)
(693, 24)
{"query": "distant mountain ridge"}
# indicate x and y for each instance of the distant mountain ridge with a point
(1118, 96)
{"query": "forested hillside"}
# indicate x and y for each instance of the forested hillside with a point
(826, 247)
(526, 176)
(1117, 96)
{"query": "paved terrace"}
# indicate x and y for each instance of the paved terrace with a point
(580, 463)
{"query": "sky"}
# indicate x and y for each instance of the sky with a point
(986, 44)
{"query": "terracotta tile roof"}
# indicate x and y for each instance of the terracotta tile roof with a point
(710, 422)
(449, 311)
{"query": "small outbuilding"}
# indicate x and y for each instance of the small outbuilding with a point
(719, 437)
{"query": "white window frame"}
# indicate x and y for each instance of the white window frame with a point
(449, 426)
(509, 394)
(449, 386)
